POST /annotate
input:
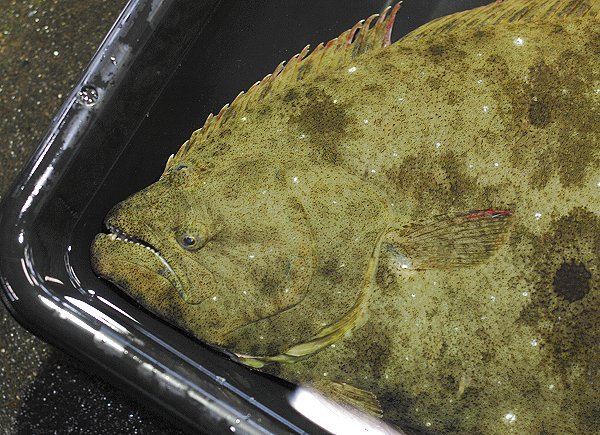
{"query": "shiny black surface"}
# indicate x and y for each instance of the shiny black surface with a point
(162, 69)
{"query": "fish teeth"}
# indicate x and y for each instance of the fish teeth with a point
(117, 234)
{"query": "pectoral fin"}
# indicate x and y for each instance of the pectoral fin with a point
(445, 242)
(347, 394)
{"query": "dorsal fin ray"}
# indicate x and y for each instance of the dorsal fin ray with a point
(365, 36)
(511, 11)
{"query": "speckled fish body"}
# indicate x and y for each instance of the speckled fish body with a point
(418, 223)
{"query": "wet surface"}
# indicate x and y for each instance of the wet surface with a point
(44, 47)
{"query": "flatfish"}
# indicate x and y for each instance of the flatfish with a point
(412, 228)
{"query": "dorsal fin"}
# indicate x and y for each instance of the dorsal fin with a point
(366, 35)
(509, 11)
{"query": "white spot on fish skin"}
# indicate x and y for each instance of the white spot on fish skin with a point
(366, 121)
(401, 99)
(245, 292)
(483, 318)
(373, 171)
(551, 387)
(496, 164)
(244, 119)
(261, 337)
(525, 294)
(438, 145)
(395, 154)
(428, 423)
(55, 53)
(510, 417)
(302, 136)
(342, 264)
(295, 179)
(597, 90)
(519, 41)
(333, 345)
(493, 298)
(480, 81)
(264, 192)
(214, 298)
(352, 70)
(533, 342)
(325, 374)
(598, 184)
(486, 109)
(470, 165)
(412, 295)
(537, 215)
(251, 257)
(334, 202)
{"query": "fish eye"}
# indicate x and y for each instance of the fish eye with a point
(189, 241)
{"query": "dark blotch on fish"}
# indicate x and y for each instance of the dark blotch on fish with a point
(539, 113)
(554, 93)
(572, 281)
(290, 95)
(373, 340)
(323, 121)
(566, 292)
(331, 271)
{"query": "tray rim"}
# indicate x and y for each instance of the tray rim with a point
(163, 388)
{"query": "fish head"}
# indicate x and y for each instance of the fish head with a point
(210, 250)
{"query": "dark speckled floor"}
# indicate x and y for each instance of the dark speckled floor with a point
(44, 47)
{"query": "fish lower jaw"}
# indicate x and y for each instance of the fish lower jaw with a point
(117, 234)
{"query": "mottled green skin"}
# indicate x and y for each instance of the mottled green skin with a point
(428, 126)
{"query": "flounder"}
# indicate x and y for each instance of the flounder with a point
(413, 228)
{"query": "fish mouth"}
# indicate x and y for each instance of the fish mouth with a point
(118, 235)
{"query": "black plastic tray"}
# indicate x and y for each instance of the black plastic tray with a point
(162, 68)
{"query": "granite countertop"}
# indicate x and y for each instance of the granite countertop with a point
(44, 48)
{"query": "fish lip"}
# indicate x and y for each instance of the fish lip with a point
(116, 233)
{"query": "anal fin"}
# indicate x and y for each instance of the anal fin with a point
(460, 240)
(347, 394)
